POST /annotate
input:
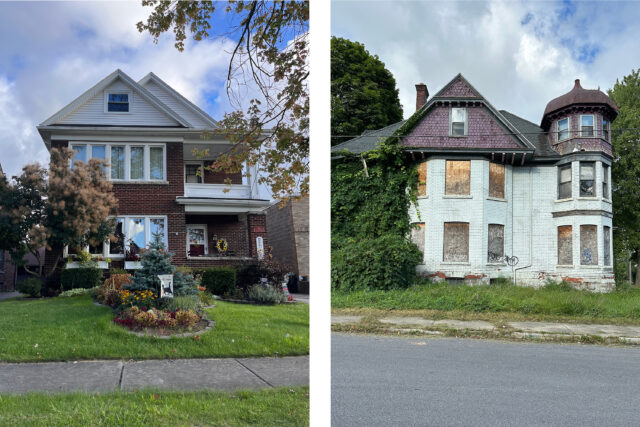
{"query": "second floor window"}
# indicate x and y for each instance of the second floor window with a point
(586, 125)
(563, 129)
(605, 181)
(458, 122)
(139, 162)
(458, 177)
(496, 180)
(605, 129)
(191, 174)
(564, 182)
(587, 175)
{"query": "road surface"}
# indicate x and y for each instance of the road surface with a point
(389, 381)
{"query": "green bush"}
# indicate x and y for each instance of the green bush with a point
(385, 262)
(219, 280)
(78, 291)
(114, 271)
(187, 302)
(247, 276)
(265, 295)
(72, 278)
(30, 286)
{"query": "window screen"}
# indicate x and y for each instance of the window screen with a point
(456, 242)
(588, 245)
(565, 245)
(458, 177)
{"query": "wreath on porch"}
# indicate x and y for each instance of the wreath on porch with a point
(221, 245)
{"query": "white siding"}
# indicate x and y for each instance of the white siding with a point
(141, 113)
(170, 100)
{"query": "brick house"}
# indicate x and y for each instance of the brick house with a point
(147, 133)
(495, 186)
(288, 228)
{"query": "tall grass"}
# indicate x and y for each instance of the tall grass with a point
(558, 300)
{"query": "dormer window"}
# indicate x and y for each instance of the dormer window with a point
(586, 125)
(458, 122)
(118, 102)
(563, 129)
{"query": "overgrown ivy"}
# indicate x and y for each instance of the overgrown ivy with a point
(371, 206)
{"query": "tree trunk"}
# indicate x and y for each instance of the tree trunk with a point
(629, 271)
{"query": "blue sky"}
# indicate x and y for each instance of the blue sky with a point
(518, 54)
(54, 51)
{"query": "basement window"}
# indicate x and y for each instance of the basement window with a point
(565, 245)
(564, 182)
(458, 122)
(458, 177)
(588, 245)
(586, 126)
(496, 244)
(456, 242)
(606, 241)
(118, 102)
(422, 179)
(587, 176)
(496, 180)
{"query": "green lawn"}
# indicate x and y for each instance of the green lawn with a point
(278, 407)
(74, 328)
(554, 302)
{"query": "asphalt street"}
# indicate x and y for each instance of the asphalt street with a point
(393, 381)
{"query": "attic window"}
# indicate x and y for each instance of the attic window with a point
(118, 102)
(458, 122)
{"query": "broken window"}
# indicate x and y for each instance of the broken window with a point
(587, 175)
(606, 241)
(588, 245)
(565, 245)
(496, 180)
(456, 242)
(458, 177)
(417, 235)
(422, 179)
(605, 181)
(496, 243)
(564, 182)
(458, 122)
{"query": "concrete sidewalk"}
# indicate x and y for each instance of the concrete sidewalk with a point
(537, 330)
(179, 374)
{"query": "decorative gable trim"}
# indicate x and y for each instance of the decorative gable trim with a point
(176, 95)
(101, 86)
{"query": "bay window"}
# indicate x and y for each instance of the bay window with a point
(587, 176)
(563, 129)
(605, 129)
(126, 162)
(586, 125)
(605, 181)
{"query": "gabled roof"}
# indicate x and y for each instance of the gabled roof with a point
(178, 97)
(533, 133)
(369, 140)
(102, 85)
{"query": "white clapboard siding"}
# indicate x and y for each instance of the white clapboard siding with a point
(141, 112)
(176, 105)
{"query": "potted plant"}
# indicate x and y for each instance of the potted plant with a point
(132, 258)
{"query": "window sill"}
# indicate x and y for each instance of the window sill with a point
(587, 198)
(454, 263)
(113, 181)
(565, 266)
(501, 264)
(564, 200)
(591, 266)
(458, 136)
(422, 197)
(496, 199)
(457, 196)
(607, 200)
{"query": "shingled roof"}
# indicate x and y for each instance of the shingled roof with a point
(369, 140)
(532, 133)
(579, 95)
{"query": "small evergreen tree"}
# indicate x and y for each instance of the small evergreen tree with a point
(156, 261)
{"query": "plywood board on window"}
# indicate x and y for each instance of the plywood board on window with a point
(456, 242)
(422, 179)
(565, 245)
(496, 243)
(496, 180)
(458, 177)
(588, 245)
(607, 245)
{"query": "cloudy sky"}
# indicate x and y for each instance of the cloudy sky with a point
(518, 54)
(53, 51)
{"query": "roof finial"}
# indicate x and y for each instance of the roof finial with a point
(577, 83)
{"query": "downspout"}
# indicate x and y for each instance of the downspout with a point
(515, 273)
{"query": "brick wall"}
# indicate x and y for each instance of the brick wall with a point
(257, 228)
(229, 227)
(300, 211)
(281, 235)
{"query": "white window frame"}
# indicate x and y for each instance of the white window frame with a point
(594, 132)
(206, 238)
(127, 159)
(118, 92)
(466, 122)
(568, 119)
(606, 126)
(193, 163)
(106, 247)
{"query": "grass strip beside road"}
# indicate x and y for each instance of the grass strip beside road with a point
(59, 329)
(281, 407)
(493, 303)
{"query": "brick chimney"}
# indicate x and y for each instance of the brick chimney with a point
(421, 95)
(576, 85)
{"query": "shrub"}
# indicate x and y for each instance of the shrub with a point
(115, 271)
(52, 286)
(384, 262)
(135, 318)
(247, 276)
(265, 295)
(77, 291)
(206, 299)
(187, 318)
(109, 293)
(187, 302)
(219, 280)
(72, 278)
(30, 286)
